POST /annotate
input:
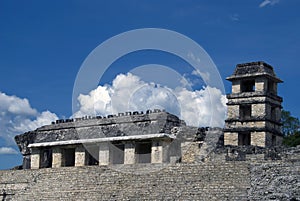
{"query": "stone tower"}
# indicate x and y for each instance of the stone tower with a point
(254, 108)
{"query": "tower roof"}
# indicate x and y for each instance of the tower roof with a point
(253, 69)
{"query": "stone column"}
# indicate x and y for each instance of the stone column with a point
(129, 153)
(35, 158)
(231, 138)
(57, 157)
(104, 153)
(159, 152)
(258, 139)
(80, 156)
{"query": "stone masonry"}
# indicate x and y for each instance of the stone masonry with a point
(254, 108)
(156, 156)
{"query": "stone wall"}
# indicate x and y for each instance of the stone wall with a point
(257, 176)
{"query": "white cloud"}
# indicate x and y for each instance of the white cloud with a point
(268, 2)
(17, 117)
(8, 150)
(15, 105)
(43, 118)
(205, 107)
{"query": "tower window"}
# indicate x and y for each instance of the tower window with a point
(245, 112)
(244, 138)
(248, 86)
(271, 86)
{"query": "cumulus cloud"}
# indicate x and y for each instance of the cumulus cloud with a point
(15, 105)
(8, 150)
(17, 116)
(268, 2)
(204, 107)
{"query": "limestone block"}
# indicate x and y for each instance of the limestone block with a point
(80, 156)
(231, 138)
(258, 139)
(250, 124)
(129, 153)
(260, 84)
(236, 87)
(232, 111)
(104, 153)
(35, 159)
(57, 157)
(159, 152)
(258, 110)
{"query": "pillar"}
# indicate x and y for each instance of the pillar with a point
(104, 153)
(159, 152)
(57, 157)
(129, 153)
(231, 138)
(258, 139)
(35, 158)
(80, 156)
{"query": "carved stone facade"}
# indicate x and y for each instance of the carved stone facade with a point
(254, 108)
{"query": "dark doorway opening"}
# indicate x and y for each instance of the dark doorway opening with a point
(46, 158)
(117, 153)
(69, 155)
(92, 153)
(143, 152)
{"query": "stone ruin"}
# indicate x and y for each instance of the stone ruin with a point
(243, 161)
(126, 138)
(254, 111)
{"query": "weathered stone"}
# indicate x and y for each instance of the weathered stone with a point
(57, 157)
(80, 156)
(129, 153)
(254, 109)
(104, 153)
(35, 159)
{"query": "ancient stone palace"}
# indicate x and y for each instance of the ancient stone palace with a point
(154, 155)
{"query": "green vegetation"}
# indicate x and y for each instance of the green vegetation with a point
(290, 129)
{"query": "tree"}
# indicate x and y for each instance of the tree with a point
(290, 129)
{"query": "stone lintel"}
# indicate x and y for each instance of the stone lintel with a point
(254, 94)
(107, 139)
(253, 119)
(253, 129)
(254, 75)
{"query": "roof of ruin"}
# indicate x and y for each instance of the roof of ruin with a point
(254, 69)
(111, 127)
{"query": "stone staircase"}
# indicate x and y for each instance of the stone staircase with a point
(209, 181)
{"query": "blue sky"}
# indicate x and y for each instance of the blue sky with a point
(43, 44)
